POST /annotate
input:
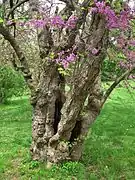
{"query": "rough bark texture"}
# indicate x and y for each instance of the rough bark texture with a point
(47, 102)
(60, 125)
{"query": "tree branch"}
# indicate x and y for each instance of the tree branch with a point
(115, 83)
(71, 3)
(65, 1)
(24, 65)
(85, 3)
(14, 8)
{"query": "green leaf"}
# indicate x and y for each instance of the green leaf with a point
(63, 71)
(52, 55)
(1, 20)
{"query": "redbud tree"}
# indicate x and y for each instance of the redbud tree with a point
(72, 39)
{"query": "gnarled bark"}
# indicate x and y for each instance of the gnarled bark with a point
(59, 128)
(47, 103)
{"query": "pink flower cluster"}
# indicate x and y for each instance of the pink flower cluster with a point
(71, 23)
(121, 42)
(128, 50)
(36, 23)
(125, 65)
(128, 47)
(131, 77)
(132, 42)
(94, 51)
(130, 55)
(120, 21)
(65, 60)
(55, 21)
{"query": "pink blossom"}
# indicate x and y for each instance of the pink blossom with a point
(131, 77)
(57, 21)
(65, 64)
(131, 55)
(21, 24)
(95, 51)
(94, 10)
(121, 42)
(37, 23)
(100, 6)
(71, 57)
(132, 42)
(71, 23)
(113, 20)
(123, 19)
(65, 60)
(10, 22)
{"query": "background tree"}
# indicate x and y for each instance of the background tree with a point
(11, 84)
(73, 40)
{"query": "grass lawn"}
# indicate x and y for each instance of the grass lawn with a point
(109, 151)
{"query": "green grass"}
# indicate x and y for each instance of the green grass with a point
(109, 151)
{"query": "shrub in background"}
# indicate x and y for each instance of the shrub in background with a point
(110, 70)
(11, 83)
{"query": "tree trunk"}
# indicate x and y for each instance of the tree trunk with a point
(60, 124)
(59, 128)
(47, 102)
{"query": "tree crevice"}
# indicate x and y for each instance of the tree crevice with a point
(76, 131)
(57, 115)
